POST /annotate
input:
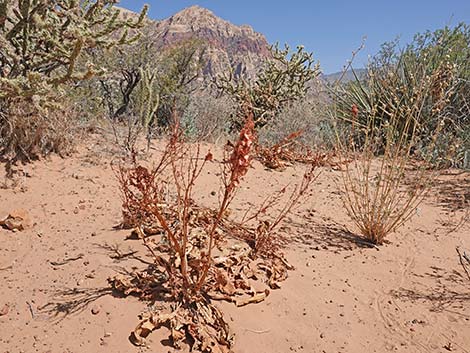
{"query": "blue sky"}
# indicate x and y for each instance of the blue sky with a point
(331, 29)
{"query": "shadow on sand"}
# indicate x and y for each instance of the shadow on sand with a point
(451, 292)
(329, 236)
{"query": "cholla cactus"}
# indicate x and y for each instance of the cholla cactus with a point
(282, 81)
(46, 37)
(149, 97)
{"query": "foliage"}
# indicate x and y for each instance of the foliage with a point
(43, 43)
(179, 71)
(143, 83)
(43, 40)
(206, 118)
(436, 60)
(283, 80)
(308, 115)
(172, 71)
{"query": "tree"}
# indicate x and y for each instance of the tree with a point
(42, 41)
(143, 70)
(43, 45)
(283, 80)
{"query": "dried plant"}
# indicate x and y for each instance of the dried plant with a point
(27, 133)
(385, 183)
(289, 150)
(201, 255)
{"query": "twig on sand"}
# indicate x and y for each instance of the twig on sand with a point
(120, 256)
(31, 310)
(66, 261)
(6, 268)
(258, 331)
(464, 261)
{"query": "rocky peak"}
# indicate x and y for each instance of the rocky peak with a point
(228, 45)
(194, 12)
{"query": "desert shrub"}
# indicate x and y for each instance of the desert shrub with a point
(207, 117)
(28, 132)
(308, 116)
(284, 79)
(302, 133)
(438, 60)
(42, 45)
(143, 69)
(384, 183)
(197, 261)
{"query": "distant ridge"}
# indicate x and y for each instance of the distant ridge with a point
(348, 76)
(228, 46)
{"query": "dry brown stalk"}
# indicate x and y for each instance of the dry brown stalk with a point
(381, 192)
(289, 151)
(202, 255)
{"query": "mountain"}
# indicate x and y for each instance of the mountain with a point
(228, 46)
(346, 76)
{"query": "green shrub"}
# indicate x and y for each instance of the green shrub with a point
(283, 80)
(43, 42)
(436, 64)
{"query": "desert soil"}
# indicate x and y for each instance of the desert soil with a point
(410, 295)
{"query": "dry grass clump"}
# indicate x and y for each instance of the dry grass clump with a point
(388, 179)
(200, 255)
(307, 115)
(28, 132)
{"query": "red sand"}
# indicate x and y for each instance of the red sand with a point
(412, 295)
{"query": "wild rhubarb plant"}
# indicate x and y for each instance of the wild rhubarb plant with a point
(202, 255)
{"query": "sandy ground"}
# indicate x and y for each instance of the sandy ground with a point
(412, 295)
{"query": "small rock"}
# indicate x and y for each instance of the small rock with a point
(213, 193)
(16, 220)
(95, 310)
(5, 310)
